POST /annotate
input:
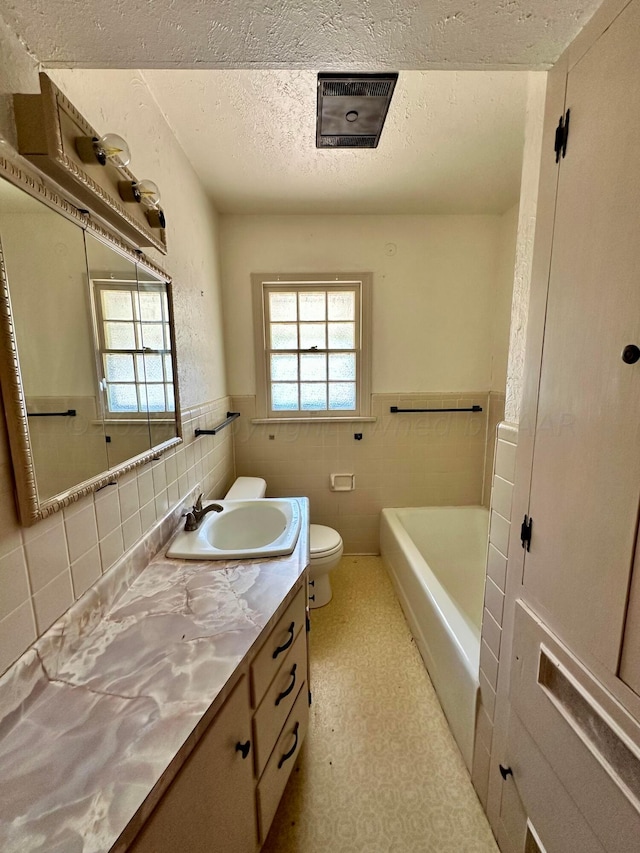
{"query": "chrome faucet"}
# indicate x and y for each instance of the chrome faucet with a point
(197, 513)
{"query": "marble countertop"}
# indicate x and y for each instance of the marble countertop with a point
(107, 721)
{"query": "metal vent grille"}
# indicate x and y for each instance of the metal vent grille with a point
(352, 109)
(347, 142)
(357, 88)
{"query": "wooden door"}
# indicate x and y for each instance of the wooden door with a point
(210, 807)
(586, 466)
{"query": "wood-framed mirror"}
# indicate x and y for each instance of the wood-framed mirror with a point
(88, 358)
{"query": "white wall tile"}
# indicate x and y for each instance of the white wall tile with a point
(497, 567)
(489, 664)
(111, 548)
(17, 632)
(47, 556)
(107, 510)
(480, 775)
(508, 432)
(488, 695)
(499, 533)
(131, 531)
(484, 728)
(129, 502)
(494, 600)
(501, 496)
(505, 465)
(491, 632)
(85, 571)
(50, 602)
(159, 477)
(145, 486)
(148, 516)
(14, 584)
(171, 469)
(81, 530)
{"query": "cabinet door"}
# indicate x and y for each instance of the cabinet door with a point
(586, 467)
(210, 807)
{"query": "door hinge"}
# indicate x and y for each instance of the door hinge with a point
(308, 623)
(562, 135)
(309, 698)
(525, 532)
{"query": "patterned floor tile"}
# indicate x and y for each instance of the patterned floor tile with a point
(379, 771)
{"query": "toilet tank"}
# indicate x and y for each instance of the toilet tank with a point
(247, 488)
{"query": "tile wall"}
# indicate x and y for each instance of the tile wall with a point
(45, 568)
(494, 417)
(499, 533)
(401, 460)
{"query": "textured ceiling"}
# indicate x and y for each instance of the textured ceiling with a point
(452, 142)
(331, 35)
(453, 137)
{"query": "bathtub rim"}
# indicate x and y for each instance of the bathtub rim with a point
(454, 674)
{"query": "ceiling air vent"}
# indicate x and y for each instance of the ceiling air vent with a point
(352, 109)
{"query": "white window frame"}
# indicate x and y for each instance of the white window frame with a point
(131, 287)
(262, 284)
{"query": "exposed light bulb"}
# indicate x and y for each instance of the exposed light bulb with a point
(145, 192)
(108, 148)
(113, 147)
(149, 192)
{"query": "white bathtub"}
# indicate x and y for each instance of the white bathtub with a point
(436, 559)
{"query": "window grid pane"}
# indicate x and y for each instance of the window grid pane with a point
(127, 373)
(313, 396)
(313, 351)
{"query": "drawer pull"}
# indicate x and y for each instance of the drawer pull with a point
(288, 755)
(505, 771)
(286, 692)
(243, 748)
(285, 646)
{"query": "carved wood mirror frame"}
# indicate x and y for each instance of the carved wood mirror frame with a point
(30, 508)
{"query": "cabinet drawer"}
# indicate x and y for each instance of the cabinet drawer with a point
(281, 762)
(268, 660)
(278, 701)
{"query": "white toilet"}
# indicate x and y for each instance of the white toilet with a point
(325, 543)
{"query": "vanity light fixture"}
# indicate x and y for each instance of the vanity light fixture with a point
(143, 192)
(147, 194)
(108, 148)
(59, 141)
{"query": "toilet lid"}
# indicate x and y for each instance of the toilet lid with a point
(323, 539)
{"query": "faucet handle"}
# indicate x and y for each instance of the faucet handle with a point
(198, 504)
(190, 523)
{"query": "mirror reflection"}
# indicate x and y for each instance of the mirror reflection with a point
(133, 349)
(93, 335)
(45, 265)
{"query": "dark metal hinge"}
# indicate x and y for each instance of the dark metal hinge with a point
(309, 697)
(308, 624)
(525, 532)
(562, 135)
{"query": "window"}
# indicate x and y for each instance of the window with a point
(312, 356)
(134, 339)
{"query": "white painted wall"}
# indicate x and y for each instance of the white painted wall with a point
(501, 316)
(44, 568)
(524, 248)
(125, 106)
(438, 299)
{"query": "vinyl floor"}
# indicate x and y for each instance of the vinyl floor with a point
(379, 771)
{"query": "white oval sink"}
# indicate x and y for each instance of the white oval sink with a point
(267, 527)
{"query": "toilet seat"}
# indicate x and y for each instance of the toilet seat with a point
(323, 541)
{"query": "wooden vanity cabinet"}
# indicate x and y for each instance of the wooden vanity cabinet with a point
(225, 796)
(210, 805)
